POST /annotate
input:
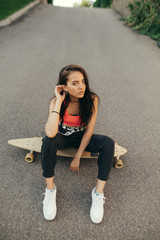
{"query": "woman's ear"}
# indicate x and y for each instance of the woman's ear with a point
(65, 88)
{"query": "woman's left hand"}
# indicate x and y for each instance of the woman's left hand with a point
(75, 164)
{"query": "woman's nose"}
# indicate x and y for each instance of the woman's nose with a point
(80, 86)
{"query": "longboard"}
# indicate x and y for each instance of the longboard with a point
(34, 145)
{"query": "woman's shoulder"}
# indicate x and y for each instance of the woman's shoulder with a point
(95, 98)
(95, 102)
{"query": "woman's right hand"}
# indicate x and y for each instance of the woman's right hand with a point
(58, 90)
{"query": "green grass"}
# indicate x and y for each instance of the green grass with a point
(8, 7)
(121, 19)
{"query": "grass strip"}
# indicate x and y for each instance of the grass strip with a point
(8, 7)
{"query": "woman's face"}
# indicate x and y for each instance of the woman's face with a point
(76, 84)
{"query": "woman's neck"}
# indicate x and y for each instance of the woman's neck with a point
(74, 99)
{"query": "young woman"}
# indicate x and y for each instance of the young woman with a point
(72, 116)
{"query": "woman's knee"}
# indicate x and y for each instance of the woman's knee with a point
(46, 141)
(108, 143)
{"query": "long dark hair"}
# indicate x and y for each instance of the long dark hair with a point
(86, 106)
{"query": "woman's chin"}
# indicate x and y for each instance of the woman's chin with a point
(77, 96)
(81, 95)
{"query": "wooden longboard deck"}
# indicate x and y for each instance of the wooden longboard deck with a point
(34, 144)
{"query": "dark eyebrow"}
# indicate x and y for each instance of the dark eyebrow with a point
(77, 80)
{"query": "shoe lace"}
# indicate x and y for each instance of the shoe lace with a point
(99, 200)
(48, 197)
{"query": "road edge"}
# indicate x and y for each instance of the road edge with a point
(18, 14)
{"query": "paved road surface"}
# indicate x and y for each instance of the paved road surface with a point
(124, 70)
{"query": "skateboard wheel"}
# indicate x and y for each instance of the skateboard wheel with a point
(118, 163)
(29, 157)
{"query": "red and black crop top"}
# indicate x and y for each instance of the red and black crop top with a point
(71, 120)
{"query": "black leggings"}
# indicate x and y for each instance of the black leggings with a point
(98, 144)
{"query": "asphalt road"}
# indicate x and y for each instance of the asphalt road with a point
(124, 70)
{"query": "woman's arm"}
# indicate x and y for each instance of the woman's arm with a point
(86, 138)
(51, 127)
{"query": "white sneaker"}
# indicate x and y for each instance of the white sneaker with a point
(49, 204)
(97, 209)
